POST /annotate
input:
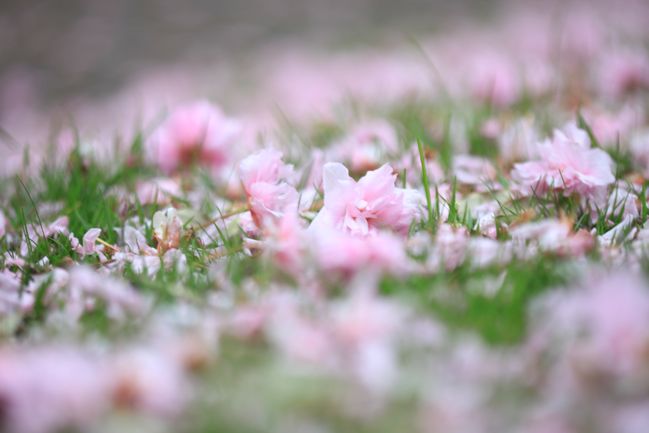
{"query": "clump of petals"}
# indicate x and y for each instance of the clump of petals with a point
(265, 179)
(364, 207)
(567, 164)
(198, 132)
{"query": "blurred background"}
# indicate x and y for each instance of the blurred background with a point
(59, 50)
(103, 64)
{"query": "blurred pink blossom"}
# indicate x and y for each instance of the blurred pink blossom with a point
(51, 389)
(144, 379)
(198, 132)
(605, 321)
(157, 191)
(344, 253)
(551, 235)
(568, 164)
(367, 144)
(89, 245)
(284, 239)
(623, 72)
(611, 129)
(473, 170)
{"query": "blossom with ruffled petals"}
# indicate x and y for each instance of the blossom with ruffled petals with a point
(363, 207)
(568, 164)
(265, 179)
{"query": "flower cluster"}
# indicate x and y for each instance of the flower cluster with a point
(457, 248)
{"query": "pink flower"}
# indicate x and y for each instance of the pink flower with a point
(518, 140)
(50, 389)
(450, 247)
(86, 286)
(623, 72)
(568, 164)
(89, 244)
(604, 322)
(248, 321)
(34, 232)
(265, 179)
(11, 297)
(363, 207)
(552, 235)
(303, 340)
(89, 240)
(285, 242)
(365, 327)
(146, 380)
(341, 252)
(157, 191)
(365, 317)
(473, 170)
(196, 132)
(611, 128)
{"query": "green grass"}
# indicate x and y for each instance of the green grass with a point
(460, 297)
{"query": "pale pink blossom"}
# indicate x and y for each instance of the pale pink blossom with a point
(247, 321)
(51, 389)
(303, 340)
(157, 191)
(365, 328)
(611, 129)
(85, 286)
(135, 242)
(605, 321)
(146, 380)
(266, 180)
(11, 298)
(89, 245)
(364, 316)
(24, 297)
(518, 140)
(484, 252)
(485, 215)
(473, 170)
(364, 207)
(198, 132)
(315, 169)
(567, 164)
(344, 253)
(284, 241)
(142, 257)
(551, 235)
(367, 144)
(621, 73)
(36, 231)
(296, 334)
(450, 247)
(491, 128)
